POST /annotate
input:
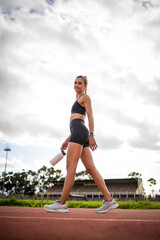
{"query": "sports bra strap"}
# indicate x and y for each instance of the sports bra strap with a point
(80, 96)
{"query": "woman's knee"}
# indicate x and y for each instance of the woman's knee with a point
(71, 168)
(91, 170)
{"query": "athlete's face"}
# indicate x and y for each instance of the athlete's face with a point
(79, 85)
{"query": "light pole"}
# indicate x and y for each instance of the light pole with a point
(7, 149)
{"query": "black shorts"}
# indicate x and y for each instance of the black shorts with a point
(79, 132)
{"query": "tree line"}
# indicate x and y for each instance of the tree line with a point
(31, 182)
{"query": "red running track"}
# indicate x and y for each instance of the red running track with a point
(21, 223)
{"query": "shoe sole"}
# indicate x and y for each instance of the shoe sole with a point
(108, 209)
(57, 210)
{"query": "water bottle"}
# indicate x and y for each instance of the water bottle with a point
(57, 158)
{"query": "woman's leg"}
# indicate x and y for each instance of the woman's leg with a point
(87, 160)
(73, 155)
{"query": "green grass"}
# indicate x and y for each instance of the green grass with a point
(139, 205)
(79, 204)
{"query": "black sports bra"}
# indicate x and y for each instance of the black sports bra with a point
(78, 108)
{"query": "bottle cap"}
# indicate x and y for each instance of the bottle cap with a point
(63, 152)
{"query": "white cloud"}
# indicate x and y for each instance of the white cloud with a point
(44, 51)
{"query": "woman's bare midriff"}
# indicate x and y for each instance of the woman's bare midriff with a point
(76, 116)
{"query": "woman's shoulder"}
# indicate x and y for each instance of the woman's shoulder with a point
(86, 98)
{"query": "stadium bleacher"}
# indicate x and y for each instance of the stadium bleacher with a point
(122, 189)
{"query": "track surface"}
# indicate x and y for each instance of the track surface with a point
(21, 223)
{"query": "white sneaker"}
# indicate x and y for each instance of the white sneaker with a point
(107, 206)
(56, 207)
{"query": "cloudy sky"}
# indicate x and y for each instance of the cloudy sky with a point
(44, 45)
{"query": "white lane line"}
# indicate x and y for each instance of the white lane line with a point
(83, 219)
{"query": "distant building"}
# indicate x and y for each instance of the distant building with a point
(122, 189)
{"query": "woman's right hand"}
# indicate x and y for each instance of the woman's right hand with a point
(64, 145)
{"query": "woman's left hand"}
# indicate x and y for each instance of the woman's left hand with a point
(92, 143)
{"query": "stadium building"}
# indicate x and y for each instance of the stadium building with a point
(121, 189)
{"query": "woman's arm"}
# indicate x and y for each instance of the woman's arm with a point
(88, 106)
(65, 144)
